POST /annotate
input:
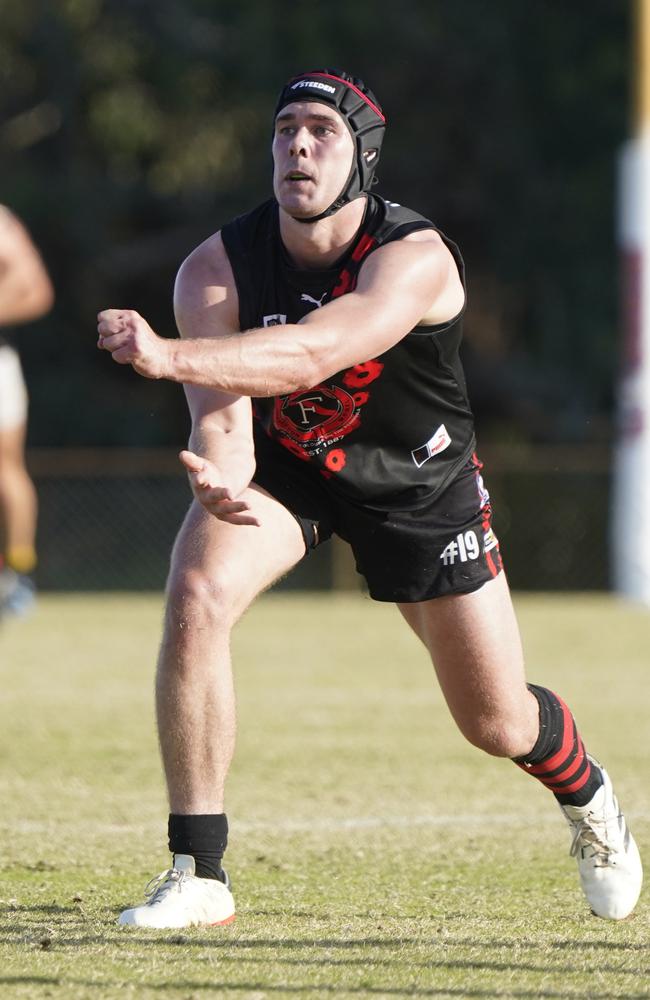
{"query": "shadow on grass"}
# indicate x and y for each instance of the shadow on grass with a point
(265, 988)
(33, 980)
(222, 937)
(43, 908)
(250, 951)
(222, 940)
(286, 946)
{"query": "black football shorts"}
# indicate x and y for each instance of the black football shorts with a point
(445, 546)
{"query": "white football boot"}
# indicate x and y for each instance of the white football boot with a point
(178, 898)
(608, 858)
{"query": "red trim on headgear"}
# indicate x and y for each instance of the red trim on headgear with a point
(339, 79)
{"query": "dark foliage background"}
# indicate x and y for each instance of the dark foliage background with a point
(131, 129)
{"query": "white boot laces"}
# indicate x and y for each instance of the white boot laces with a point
(593, 833)
(161, 884)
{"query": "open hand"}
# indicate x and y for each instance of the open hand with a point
(208, 487)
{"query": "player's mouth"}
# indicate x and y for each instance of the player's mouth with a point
(297, 176)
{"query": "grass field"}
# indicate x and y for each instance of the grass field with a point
(373, 853)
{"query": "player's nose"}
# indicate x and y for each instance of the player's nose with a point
(299, 143)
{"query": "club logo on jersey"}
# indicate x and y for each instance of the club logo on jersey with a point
(319, 415)
(311, 420)
(438, 441)
(275, 319)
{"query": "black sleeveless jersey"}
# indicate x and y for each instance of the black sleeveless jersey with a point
(388, 432)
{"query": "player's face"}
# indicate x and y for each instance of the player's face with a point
(312, 157)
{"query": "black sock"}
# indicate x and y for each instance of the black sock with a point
(558, 758)
(204, 837)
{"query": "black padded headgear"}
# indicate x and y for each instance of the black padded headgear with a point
(359, 109)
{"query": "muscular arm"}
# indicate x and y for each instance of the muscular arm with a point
(25, 288)
(220, 459)
(398, 285)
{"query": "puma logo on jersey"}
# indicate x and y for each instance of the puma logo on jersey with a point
(308, 298)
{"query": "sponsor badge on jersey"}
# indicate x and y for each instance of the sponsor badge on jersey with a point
(438, 441)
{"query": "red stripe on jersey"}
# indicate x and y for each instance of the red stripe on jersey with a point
(344, 284)
(348, 278)
(365, 244)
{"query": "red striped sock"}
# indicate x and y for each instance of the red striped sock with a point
(559, 759)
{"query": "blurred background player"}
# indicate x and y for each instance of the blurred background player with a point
(25, 294)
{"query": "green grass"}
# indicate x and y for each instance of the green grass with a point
(373, 853)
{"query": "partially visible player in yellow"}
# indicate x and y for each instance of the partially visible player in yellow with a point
(25, 294)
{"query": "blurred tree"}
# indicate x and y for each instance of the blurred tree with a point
(131, 129)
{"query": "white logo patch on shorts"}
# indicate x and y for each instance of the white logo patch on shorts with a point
(438, 441)
(275, 319)
(489, 540)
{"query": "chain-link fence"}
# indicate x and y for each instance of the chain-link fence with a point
(108, 520)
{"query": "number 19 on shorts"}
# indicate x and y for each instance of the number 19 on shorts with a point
(464, 547)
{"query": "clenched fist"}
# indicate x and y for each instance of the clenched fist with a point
(131, 341)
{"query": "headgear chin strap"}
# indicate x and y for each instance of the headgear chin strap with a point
(358, 107)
